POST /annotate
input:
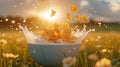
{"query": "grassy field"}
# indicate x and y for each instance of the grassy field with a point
(97, 45)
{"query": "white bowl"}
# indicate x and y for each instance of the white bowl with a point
(52, 55)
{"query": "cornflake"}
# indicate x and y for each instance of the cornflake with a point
(42, 0)
(76, 17)
(83, 18)
(59, 31)
(68, 17)
(74, 8)
(53, 13)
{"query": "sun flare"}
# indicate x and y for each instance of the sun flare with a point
(50, 15)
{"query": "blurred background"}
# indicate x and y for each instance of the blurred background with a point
(104, 17)
(101, 13)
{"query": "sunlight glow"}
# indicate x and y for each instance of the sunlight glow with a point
(47, 15)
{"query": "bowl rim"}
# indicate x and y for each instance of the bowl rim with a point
(53, 44)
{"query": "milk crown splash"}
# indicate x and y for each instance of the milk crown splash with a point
(33, 39)
(81, 35)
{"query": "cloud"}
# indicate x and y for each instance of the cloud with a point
(84, 3)
(105, 10)
(114, 5)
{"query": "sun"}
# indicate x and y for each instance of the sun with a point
(50, 15)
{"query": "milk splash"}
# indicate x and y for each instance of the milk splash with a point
(34, 39)
(31, 37)
(82, 34)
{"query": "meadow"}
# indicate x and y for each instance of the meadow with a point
(104, 43)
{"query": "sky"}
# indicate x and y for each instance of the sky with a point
(108, 10)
